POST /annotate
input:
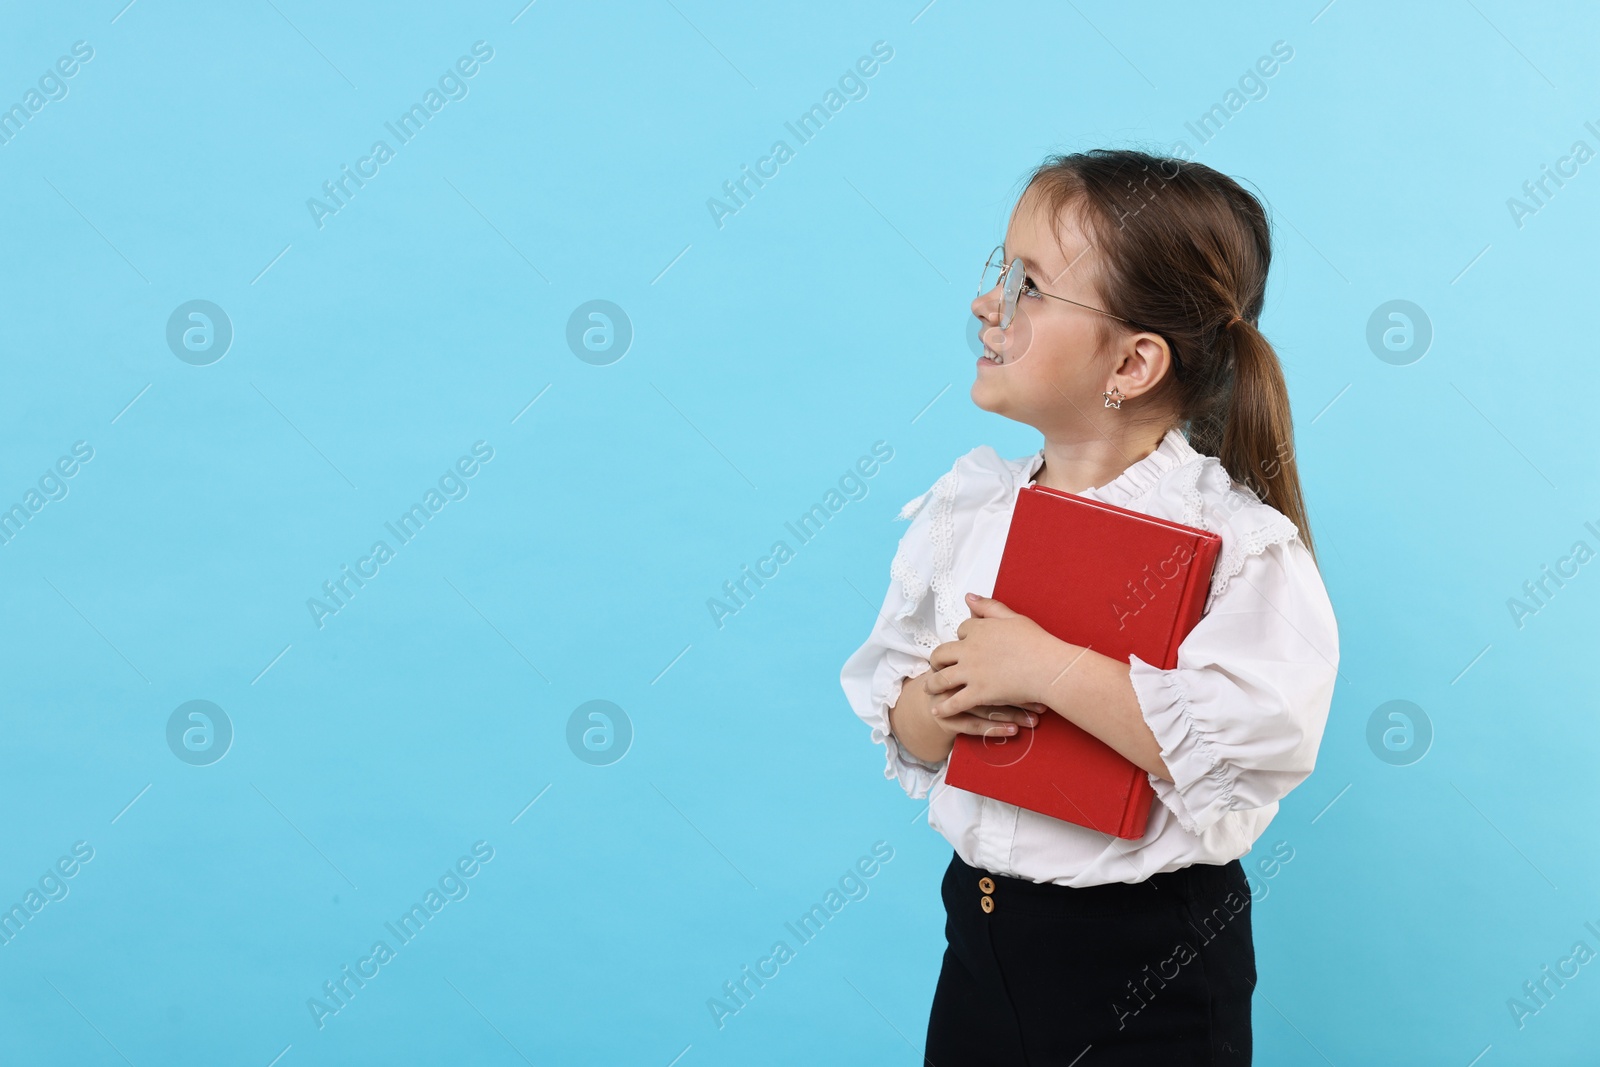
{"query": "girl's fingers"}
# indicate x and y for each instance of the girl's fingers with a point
(991, 720)
(951, 706)
(1007, 713)
(972, 724)
(941, 681)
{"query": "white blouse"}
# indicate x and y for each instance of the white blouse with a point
(1239, 719)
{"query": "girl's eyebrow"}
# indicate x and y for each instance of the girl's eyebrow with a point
(1038, 272)
(1033, 268)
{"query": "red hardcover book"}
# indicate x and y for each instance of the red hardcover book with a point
(1120, 583)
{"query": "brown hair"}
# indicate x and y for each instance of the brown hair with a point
(1183, 252)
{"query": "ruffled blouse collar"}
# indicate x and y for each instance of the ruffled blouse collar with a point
(1140, 477)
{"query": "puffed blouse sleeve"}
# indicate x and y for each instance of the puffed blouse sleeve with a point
(897, 649)
(1240, 718)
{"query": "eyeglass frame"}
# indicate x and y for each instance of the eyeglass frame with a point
(1006, 320)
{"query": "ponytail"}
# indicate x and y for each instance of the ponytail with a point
(1257, 447)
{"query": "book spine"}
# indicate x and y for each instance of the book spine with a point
(1192, 601)
(1136, 813)
(1129, 803)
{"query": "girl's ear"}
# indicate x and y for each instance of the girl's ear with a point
(1144, 362)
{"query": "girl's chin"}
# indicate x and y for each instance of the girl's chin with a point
(985, 395)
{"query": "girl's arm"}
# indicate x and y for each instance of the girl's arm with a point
(1102, 700)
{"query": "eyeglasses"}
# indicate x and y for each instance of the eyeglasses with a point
(996, 272)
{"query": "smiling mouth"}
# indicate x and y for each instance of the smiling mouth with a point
(990, 356)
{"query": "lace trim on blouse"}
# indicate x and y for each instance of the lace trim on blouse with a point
(913, 586)
(1252, 526)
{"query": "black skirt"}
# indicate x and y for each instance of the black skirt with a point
(1127, 973)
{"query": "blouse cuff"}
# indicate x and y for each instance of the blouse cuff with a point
(915, 776)
(1201, 790)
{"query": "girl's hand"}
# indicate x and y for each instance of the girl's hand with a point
(996, 660)
(930, 738)
(986, 720)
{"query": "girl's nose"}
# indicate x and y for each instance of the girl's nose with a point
(986, 306)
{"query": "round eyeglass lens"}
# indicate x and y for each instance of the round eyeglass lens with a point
(991, 271)
(1010, 341)
(1012, 290)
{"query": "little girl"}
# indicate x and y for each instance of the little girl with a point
(1119, 320)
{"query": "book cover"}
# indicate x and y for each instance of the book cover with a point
(1118, 582)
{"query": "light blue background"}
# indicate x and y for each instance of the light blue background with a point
(768, 355)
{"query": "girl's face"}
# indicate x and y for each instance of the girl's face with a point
(1048, 375)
